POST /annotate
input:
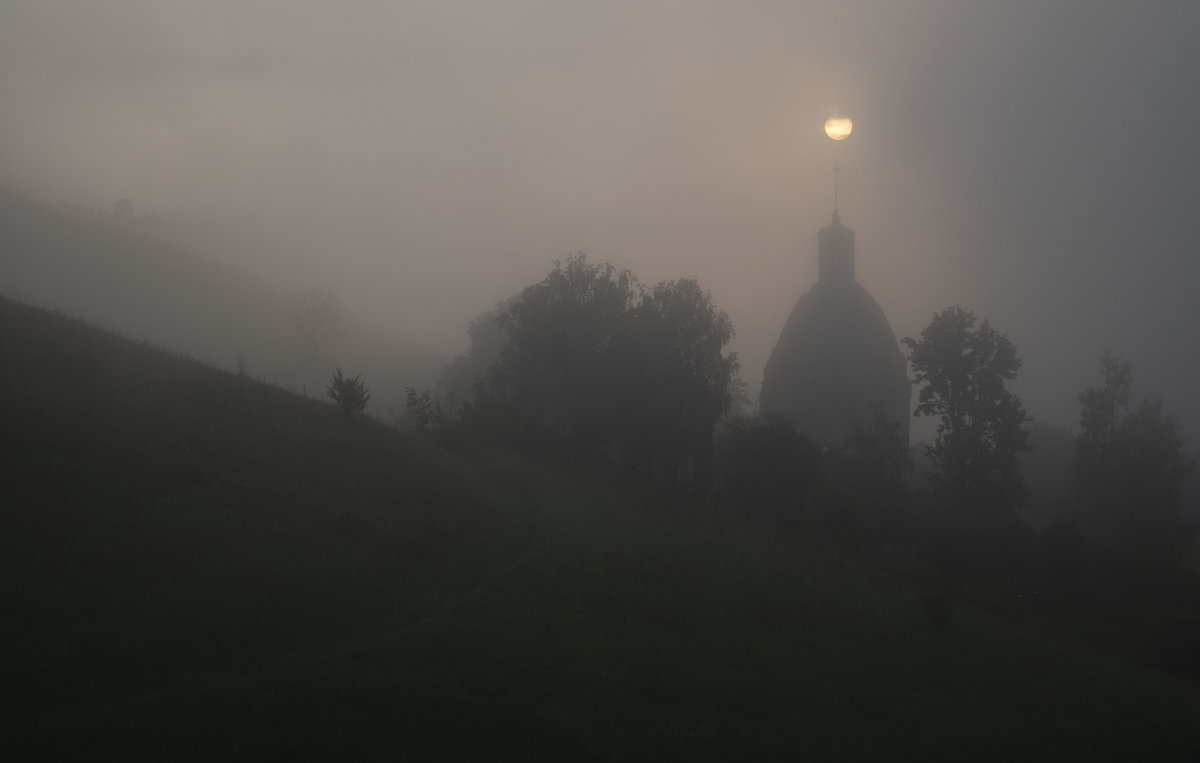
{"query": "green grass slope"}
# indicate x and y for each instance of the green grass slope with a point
(199, 566)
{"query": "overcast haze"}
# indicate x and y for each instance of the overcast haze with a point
(1034, 162)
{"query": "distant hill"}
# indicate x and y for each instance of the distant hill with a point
(200, 566)
(122, 276)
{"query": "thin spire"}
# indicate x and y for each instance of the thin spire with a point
(836, 173)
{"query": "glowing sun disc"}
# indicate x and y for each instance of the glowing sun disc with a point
(838, 127)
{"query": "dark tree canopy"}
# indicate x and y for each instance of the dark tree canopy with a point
(765, 467)
(962, 370)
(1129, 470)
(560, 369)
(679, 381)
(606, 368)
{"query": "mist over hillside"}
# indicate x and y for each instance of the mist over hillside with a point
(123, 274)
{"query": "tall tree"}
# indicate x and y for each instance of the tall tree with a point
(1129, 470)
(962, 370)
(558, 371)
(679, 382)
(461, 378)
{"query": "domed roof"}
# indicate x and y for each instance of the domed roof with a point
(837, 356)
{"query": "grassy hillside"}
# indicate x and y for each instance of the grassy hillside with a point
(200, 566)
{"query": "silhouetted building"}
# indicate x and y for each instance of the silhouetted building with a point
(836, 356)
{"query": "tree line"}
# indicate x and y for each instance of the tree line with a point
(590, 366)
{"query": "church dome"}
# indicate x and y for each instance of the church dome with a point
(837, 357)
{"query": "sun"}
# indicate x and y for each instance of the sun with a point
(838, 127)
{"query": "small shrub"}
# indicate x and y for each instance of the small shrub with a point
(350, 394)
(426, 411)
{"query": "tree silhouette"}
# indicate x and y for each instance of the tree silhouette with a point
(878, 451)
(459, 381)
(1128, 471)
(350, 394)
(598, 366)
(678, 381)
(963, 369)
(123, 209)
(765, 468)
(559, 372)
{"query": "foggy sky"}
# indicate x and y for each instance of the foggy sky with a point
(1034, 162)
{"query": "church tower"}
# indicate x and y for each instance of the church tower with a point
(835, 251)
(836, 359)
